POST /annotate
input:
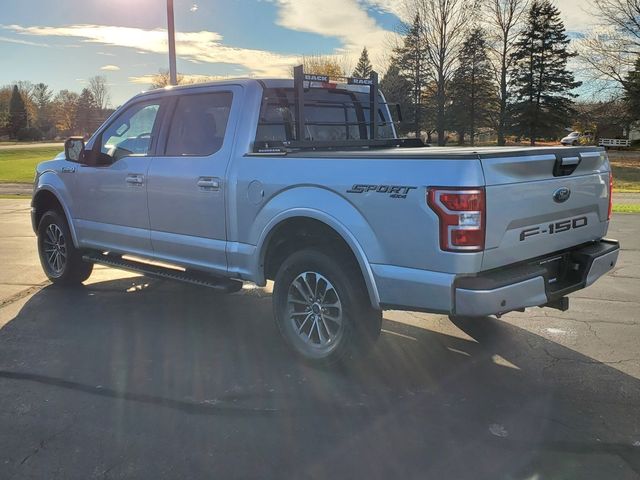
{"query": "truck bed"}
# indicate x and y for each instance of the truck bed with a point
(439, 152)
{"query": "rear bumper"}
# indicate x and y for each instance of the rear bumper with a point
(534, 283)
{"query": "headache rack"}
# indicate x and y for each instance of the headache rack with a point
(324, 81)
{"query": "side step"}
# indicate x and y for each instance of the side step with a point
(223, 285)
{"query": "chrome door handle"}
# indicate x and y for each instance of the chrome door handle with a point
(135, 179)
(570, 161)
(208, 183)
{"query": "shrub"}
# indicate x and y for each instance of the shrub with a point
(29, 133)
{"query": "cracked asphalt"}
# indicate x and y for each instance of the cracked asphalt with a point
(128, 377)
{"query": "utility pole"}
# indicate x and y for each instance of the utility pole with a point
(173, 78)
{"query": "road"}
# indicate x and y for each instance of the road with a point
(128, 377)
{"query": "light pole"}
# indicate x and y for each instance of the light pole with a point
(173, 78)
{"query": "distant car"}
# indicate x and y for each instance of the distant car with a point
(573, 138)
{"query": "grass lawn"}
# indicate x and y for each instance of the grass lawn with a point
(4, 196)
(627, 208)
(19, 165)
(626, 170)
(626, 175)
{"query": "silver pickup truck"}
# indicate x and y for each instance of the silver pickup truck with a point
(219, 184)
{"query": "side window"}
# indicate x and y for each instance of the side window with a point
(199, 124)
(131, 132)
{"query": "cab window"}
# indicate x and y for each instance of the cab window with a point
(330, 114)
(132, 132)
(199, 123)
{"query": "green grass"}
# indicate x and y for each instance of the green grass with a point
(626, 171)
(6, 196)
(626, 177)
(627, 208)
(19, 164)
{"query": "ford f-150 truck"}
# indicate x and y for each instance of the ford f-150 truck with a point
(305, 182)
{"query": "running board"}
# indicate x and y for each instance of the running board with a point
(224, 285)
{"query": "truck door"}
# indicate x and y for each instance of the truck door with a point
(110, 200)
(186, 190)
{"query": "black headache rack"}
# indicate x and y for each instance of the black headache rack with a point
(300, 123)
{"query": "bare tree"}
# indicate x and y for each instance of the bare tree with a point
(611, 49)
(624, 15)
(162, 79)
(503, 24)
(100, 90)
(444, 24)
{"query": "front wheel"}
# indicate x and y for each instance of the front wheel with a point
(60, 260)
(322, 308)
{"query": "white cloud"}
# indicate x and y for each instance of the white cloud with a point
(187, 78)
(346, 20)
(203, 46)
(110, 68)
(398, 8)
(22, 42)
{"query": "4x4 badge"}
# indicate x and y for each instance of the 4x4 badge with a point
(561, 195)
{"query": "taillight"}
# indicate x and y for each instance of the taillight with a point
(610, 195)
(462, 217)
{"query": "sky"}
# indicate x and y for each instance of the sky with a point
(63, 43)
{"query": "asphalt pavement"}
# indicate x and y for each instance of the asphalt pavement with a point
(128, 377)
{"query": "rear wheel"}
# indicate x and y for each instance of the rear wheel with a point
(60, 260)
(322, 308)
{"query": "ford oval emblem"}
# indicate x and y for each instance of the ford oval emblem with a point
(561, 195)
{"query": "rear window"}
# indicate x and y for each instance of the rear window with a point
(330, 115)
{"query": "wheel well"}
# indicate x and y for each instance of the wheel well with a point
(45, 201)
(298, 233)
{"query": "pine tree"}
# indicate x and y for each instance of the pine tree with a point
(86, 113)
(632, 92)
(17, 113)
(542, 99)
(397, 89)
(364, 67)
(412, 63)
(473, 91)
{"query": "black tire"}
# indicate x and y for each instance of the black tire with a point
(335, 278)
(60, 259)
(574, 143)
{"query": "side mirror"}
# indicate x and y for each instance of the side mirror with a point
(74, 149)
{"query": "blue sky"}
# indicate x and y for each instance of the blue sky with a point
(62, 43)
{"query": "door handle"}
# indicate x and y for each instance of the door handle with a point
(135, 179)
(208, 183)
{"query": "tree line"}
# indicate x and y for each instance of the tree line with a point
(462, 67)
(33, 112)
(468, 66)
(506, 72)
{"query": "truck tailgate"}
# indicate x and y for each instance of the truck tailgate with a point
(542, 201)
